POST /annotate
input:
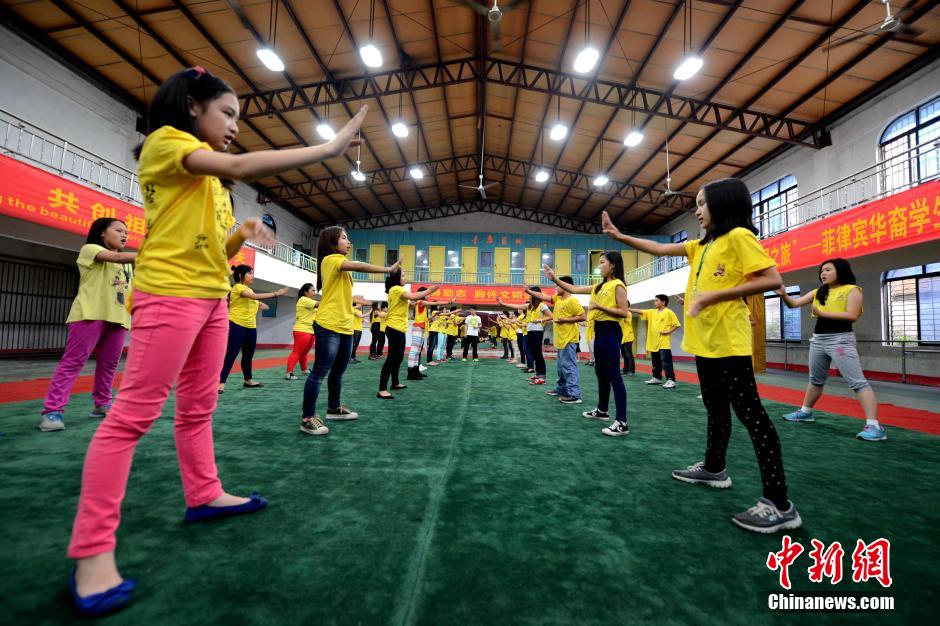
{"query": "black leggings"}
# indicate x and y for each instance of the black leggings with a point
(357, 335)
(470, 341)
(729, 382)
(432, 344)
(451, 341)
(534, 346)
(507, 349)
(396, 352)
(629, 363)
(378, 340)
(239, 338)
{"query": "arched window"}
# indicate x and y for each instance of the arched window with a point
(906, 166)
(912, 298)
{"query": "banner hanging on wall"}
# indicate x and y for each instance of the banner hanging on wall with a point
(35, 195)
(470, 294)
(901, 220)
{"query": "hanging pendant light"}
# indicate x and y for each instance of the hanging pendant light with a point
(601, 179)
(559, 131)
(416, 171)
(357, 173)
(542, 174)
(323, 128)
(587, 58)
(691, 63)
(371, 55)
(635, 136)
(399, 128)
(266, 54)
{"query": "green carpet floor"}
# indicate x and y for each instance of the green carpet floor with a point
(473, 498)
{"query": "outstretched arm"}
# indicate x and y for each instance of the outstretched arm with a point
(251, 295)
(796, 302)
(420, 295)
(359, 266)
(115, 257)
(550, 274)
(538, 295)
(645, 245)
(767, 279)
(518, 307)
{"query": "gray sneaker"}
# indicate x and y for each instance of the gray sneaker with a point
(697, 474)
(100, 410)
(764, 517)
(342, 413)
(51, 421)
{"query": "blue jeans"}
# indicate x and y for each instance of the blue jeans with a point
(243, 339)
(523, 356)
(568, 376)
(331, 355)
(607, 367)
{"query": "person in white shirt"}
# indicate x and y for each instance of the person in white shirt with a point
(474, 323)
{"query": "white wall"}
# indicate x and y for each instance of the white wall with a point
(40, 90)
(471, 223)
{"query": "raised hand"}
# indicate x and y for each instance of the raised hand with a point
(395, 267)
(548, 271)
(281, 291)
(607, 226)
(255, 231)
(345, 137)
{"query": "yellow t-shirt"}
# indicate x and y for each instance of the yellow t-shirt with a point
(421, 315)
(188, 218)
(375, 317)
(336, 302)
(241, 310)
(590, 327)
(397, 309)
(837, 301)
(101, 289)
(722, 329)
(626, 328)
(566, 332)
(306, 314)
(656, 322)
(451, 328)
(435, 326)
(606, 296)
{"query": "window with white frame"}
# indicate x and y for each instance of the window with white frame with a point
(905, 166)
(781, 323)
(580, 263)
(421, 258)
(775, 206)
(912, 303)
(675, 262)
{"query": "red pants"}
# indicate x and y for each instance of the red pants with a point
(303, 342)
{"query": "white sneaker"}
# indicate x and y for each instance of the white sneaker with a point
(290, 377)
(653, 381)
(698, 397)
(669, 384)
(422, 368)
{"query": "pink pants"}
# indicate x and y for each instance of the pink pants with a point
(106, 341)
(302, 344)
(177, 341)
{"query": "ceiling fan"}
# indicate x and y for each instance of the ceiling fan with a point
(495, 15)
(891, 24)
(481, 188)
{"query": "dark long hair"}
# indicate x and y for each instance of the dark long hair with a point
(844, 276)
(729, 207)
(393, 279)
(239, 271)
(303, 289)
(96, 232)
(533, 301)
(170, 105)
(616, 259)
(326, 245)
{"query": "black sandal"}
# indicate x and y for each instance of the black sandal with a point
(396, 387)
(252, 386)
(381, 397)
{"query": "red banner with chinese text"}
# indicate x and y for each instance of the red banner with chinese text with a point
(245, 256)
(29, 193)
(904, 219)
(483, 294)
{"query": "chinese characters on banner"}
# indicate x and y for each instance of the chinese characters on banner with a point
(245, 256)
(29, 193)
(904, 219)
(469, 294)
(870, 561)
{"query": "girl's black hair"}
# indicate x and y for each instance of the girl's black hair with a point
(662, 298)
(303, 289)
(393, 280)
(729, 207)
(534, 303)
(844, 276)
(96, 232)
(616, 259)
(170, 105)
(326, 245)
(239, 271)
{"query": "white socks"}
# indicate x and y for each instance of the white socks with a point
(806, 409)
(873, 422)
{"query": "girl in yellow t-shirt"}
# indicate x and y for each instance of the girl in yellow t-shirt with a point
(626, 344)
(335, 326)
(607, 306)
(97, 322)
(243, 306)
(837, 304)
(398, 300)
(377, 318)
(726, 265)
(306, 313)
(179, 318)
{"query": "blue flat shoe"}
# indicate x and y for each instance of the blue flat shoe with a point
(114, 599)
(204, 512)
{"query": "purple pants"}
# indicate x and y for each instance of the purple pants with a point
(106, 341)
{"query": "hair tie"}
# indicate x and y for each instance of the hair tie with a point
(195, 73)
